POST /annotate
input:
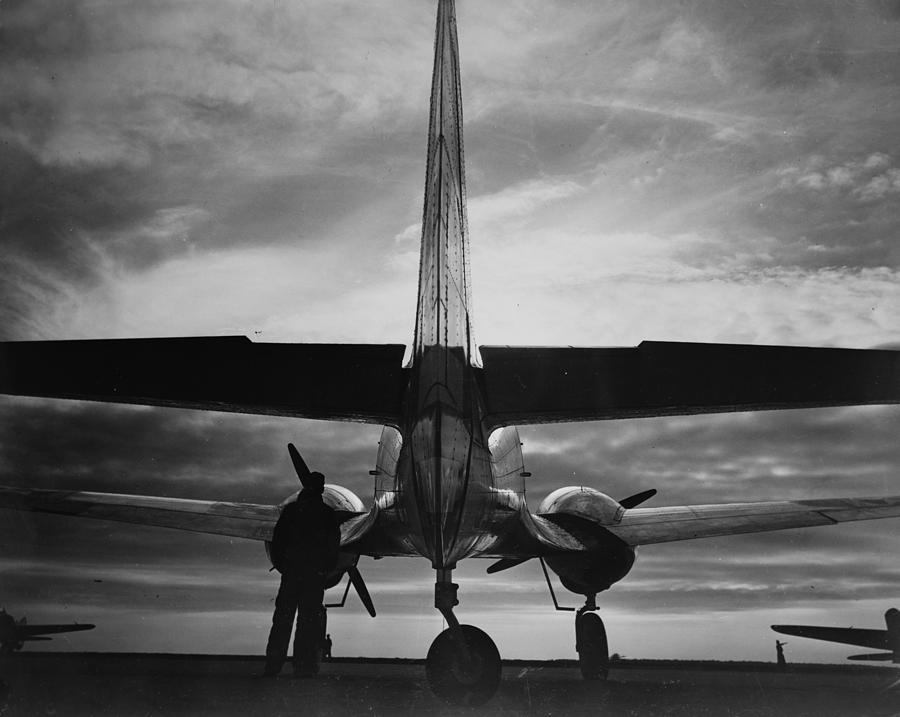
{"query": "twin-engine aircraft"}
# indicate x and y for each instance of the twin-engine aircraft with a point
(449, 464)
(888, 639)
(15, 633)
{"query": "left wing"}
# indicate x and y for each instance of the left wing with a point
(33, 632)
(373, 532)
(877, 639)
(238, 520)
(367, 533)
(644, 526)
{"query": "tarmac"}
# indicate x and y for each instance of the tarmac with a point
(46, 683)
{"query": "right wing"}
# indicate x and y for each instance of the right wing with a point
(531, 384)
(545, 534)
(352, 382)
(644, 526)
(876, 639)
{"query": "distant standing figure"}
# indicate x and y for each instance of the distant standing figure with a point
(779, 651)
(326, 645)
(304, 550)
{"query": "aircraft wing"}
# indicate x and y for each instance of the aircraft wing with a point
(644, 526)
(368, 533)
(33, 632)
(876, 639)
(353, 382)
(239, 520)
(527, 385)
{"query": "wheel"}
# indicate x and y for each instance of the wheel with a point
(463, 678)
(593, 649)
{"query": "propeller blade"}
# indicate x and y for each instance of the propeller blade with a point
(505, 564)
(638, 498)
(360, 586)
(299, 464)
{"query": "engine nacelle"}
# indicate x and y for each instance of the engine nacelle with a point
(583, 512)
(341, 500)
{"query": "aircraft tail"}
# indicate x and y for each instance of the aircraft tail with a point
(443, 314)
(892, 623)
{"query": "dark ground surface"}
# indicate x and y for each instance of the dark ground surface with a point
(102, 684)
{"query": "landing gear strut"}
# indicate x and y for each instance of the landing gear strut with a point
(590, 642)
(463, 664)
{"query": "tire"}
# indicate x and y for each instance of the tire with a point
(453, 681)
(592, 646)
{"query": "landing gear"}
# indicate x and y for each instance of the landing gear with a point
(463, 663)
(468, 676)
(591, 644)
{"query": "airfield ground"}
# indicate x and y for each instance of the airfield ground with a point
(101, 684)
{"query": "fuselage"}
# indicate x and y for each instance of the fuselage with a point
(445, 488)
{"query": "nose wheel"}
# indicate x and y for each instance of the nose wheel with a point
(463, 663)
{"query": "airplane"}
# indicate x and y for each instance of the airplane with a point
(449, 465)
(14, 634)
(888, 639)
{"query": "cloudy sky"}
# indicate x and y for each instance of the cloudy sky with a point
(697, 171)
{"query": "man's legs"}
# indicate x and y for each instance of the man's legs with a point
(282, 622)
(309, 616)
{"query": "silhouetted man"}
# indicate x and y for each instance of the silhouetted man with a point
(779, 652)
(326, 648)
(304, 550)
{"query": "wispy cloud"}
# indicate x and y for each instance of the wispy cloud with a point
(719, 171)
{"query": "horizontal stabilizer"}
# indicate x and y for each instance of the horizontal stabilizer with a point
(352, 382)
(526, 385)
(874, 657)
(876, 639)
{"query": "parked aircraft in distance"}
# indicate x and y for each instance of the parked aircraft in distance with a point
(449, 469)
(14, 634)
(888, 639)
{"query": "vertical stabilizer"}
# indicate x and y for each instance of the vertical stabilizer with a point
(892, 622)
(444, 301)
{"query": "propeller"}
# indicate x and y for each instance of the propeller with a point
(638, 498)
(506, 564)
(356, 578)
(303, 471)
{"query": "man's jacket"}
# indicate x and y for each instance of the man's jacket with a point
(306, 537)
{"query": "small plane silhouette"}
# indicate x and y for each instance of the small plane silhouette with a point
(15, 633)
(888, 639)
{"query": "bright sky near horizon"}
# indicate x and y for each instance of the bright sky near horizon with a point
(711, 170)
